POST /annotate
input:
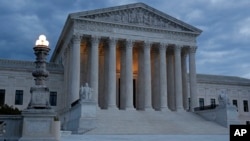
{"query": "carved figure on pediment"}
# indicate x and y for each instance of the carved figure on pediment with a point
(117, 17)
(146, 19)
(140, 17)
(132, 18)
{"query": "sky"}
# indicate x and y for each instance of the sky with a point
(223, 46)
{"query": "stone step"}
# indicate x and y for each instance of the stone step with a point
(153, 122)
(65, 133)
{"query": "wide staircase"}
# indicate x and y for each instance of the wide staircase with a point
(153, 122)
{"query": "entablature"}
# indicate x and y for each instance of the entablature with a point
(107, 29)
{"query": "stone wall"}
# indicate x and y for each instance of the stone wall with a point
(13, 127)
(17, 75)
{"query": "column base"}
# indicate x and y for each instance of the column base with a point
(130, 109)
(165, 109)
(112, 107)
(180, 110)
(149, 109)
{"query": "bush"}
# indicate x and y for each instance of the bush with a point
(9, 110)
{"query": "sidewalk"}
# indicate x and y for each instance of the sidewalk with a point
(145, 138)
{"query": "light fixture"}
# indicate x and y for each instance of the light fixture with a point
(42, 41)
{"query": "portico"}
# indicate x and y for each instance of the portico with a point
(133, 57)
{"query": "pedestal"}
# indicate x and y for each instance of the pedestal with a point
(39, 97)
(82, 117)
(39, 125)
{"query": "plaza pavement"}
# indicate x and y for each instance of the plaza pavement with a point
(145, 138)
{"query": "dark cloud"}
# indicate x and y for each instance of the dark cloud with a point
(222, 47)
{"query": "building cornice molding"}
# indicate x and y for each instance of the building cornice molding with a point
(87, 25)
(17, 65)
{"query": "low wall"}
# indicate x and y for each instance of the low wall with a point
(224, 115)
(13, 127)
(80, 118)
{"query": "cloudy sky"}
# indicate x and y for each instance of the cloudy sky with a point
(223, 46)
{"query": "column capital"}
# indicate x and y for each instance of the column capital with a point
(147, 44)
(177, 46)
(192, 49)
(113, 41)
(163, 46)
(95, 39)
(76, 37)
(130, 43)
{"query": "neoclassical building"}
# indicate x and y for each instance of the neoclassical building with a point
(133, 56)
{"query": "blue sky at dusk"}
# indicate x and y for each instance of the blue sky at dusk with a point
(223, 46)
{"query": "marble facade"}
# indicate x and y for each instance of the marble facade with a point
(123, 52)
(134, 57)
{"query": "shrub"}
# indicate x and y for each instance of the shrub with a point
(9, 110)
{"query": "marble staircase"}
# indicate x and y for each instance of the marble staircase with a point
(131, 122)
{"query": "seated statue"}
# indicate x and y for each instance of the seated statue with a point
(86, 92)
(223, 100)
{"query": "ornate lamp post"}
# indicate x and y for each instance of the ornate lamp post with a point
(40, 92)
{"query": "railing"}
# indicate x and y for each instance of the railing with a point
(2, 128)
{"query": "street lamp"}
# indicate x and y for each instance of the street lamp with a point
(40, 92)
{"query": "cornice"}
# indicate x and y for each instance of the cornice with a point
(18, 65)
(83, 25)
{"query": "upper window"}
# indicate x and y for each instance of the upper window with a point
(201, 102)
(213, 102)
(2, 97)
(235, 103)
(245, 105)
(19, 97)
(53, 98)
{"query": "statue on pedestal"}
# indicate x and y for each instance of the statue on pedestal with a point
(86, 92)
(223, 100)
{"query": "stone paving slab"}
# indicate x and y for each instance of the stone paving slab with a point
(145, 138)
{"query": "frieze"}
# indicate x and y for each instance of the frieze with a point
(137, 16)
(94, 26)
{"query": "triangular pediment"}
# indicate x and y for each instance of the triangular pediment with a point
(138, 14)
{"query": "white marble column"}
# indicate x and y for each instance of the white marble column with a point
(170, 80)
(178, 78)
(163, 78)
(75, 68)
(94, 66)
(129, 74)
(112, 74)
(192, 78)
(184, 79)
(147, 76)
(122, 96)
(66, 65)
(140, 81)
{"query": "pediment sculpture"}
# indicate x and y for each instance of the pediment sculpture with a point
(137, 16)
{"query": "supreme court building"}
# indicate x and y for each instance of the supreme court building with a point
(134, 57)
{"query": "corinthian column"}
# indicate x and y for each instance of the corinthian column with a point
(147, 76)
(178, 78)
(112, 74)
(192, 78)
(94, 66)
(129, 74)
(184, 79)
(163, 78)
(75, 68)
